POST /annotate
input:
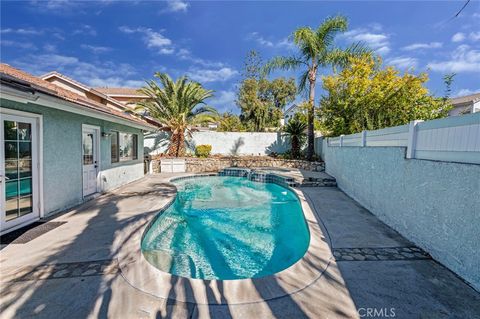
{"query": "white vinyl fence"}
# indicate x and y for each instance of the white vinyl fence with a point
(453, 139)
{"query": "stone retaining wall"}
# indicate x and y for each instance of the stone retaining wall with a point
(202, 165)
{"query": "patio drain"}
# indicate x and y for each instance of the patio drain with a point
(380, 254)
(28, 233)
(66, 270)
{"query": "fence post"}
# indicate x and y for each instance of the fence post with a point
(364, 138)
(341, 140)
(412, 137)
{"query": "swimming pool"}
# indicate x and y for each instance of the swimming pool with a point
(221, 227)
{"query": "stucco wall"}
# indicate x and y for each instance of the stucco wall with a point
(434, 204)
(227, 143)
(62, 156)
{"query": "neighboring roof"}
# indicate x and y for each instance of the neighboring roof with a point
(466, 99)
(55, 74)
(9, 74)
(294, 106)
(120, 91)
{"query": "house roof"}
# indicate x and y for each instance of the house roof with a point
(9, 74)
(466, 99)
(120, 91)
(293, 106)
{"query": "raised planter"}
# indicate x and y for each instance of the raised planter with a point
(215, 164)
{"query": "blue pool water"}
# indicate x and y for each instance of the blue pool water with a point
(227, 228)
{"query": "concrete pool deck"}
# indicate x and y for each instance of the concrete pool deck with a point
(72, 271)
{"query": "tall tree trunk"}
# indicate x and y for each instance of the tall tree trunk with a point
(295, 147)
(177, 144)
(310, 117)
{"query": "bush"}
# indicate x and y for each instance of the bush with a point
(203, 150)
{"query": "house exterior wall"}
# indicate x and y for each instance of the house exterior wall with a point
(67, 86)
(476, 107)
(460, 109)
(62, 155)
(434, 204)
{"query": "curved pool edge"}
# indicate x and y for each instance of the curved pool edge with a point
(140, 274)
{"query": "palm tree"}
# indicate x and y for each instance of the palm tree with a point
(176, 105)
(295, 128)
(317, 50)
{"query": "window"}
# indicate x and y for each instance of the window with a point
(124, 147)
(135, 146)
(114, 146)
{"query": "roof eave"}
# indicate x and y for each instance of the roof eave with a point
(52, 101)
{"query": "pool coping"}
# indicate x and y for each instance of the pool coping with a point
(140, 274)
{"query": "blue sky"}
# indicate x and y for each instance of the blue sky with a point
(118, 43)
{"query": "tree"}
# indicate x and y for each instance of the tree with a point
(230, 123)
(252, 68)
(262, 101)
(317, 50)
(365, 96)
(295, 128)
(175, 105)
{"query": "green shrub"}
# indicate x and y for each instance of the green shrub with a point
(203, 150)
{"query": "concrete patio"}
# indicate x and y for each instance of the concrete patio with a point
(72, 271)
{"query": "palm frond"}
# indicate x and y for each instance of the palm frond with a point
(302, 82)
(340, 57)
(306, 40)
(282, 63)
(326, 32)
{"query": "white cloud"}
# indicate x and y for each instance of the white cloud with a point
(402, 62)
(93, 74)
(373, 39)
(95, 49)
(49, 47)
(153, 39)
(66, 6)
(422, 46)
(223, 100)
(177, 6)
(18, 44)
(166, 51)
(85, 29)
(458, 37)
(223, 97)
(28, 31)
(210, 75)
(261, 40)
(474, 36)
(464, 92)
(462, 59)
(184, 54)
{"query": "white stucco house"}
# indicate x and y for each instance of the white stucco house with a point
(289, 113)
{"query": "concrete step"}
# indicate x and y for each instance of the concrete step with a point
(324, 183)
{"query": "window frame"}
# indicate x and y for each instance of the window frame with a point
(133, 138)
(117, 151)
